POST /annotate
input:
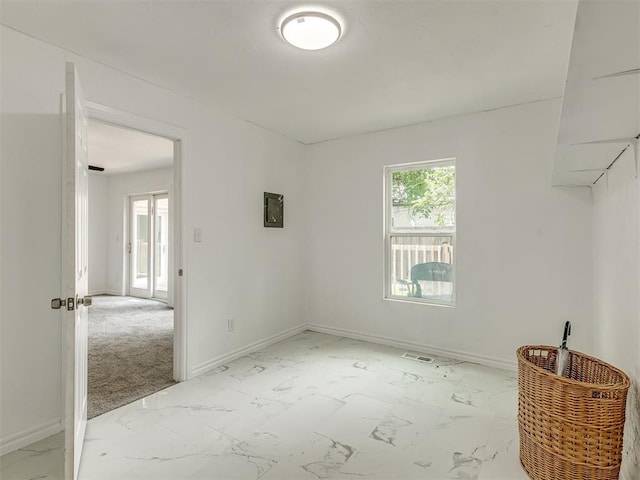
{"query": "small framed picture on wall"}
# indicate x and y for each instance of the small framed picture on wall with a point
(273, 210)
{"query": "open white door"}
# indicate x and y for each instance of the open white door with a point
(75, 271)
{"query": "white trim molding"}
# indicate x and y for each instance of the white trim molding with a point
(178, 281)
(241, 352)
(105, 292)
(131, 120)
(30, 435)
(418, 347)
(339, 332)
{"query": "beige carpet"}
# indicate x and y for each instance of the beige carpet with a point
(130, 351)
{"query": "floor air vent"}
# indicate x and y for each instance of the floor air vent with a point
(417, 358)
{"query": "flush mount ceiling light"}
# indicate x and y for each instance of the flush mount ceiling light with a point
(310, 30)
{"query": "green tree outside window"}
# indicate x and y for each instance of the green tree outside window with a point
(427, 192)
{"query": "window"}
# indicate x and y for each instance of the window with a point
(420, 232)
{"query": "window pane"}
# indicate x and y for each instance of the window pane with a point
(423, 199)
(422, 267)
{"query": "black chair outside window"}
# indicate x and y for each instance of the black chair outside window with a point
(428, 272)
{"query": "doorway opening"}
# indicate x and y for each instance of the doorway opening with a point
(131, 267)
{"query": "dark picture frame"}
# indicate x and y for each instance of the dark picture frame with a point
(273, 210)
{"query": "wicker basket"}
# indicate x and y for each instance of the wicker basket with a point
(571, 426)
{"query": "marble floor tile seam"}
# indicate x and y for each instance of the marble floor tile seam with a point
(316, 406)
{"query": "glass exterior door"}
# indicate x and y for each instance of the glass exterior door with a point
(161, 253)
(149, 246)
(139, 246)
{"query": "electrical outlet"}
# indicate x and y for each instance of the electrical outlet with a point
(231, 324)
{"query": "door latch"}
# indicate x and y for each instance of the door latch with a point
(86, 301)
(57, 303)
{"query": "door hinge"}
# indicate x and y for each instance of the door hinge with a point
(57, 303)
(129, 248)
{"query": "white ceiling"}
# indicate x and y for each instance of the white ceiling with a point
(398, 63)
(121, 150)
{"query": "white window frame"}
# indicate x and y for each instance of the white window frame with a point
(390, 231)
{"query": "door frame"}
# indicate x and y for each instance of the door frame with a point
(178, 135)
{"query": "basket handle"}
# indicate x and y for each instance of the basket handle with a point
(565, 335)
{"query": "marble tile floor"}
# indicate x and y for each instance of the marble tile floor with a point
(313, 406)
(40, 460)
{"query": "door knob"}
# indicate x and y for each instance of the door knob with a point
(57, 303)
(86, 301)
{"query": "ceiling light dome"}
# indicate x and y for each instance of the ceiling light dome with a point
(310, 30)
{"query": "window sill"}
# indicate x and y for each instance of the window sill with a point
(419, 302)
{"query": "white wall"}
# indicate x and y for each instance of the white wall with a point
(616, 287)
(541, 278)
(30, 203)
(98, 215)
(120, 187)
(240, 269)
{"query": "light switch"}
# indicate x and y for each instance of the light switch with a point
(197, 235)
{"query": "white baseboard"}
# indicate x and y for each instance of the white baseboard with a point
(40, 432)
(29, 436)
(418, 347)
(104, 292)
(241, 352)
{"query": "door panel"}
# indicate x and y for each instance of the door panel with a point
(161, 246)
(76, 319)
(139, 242)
